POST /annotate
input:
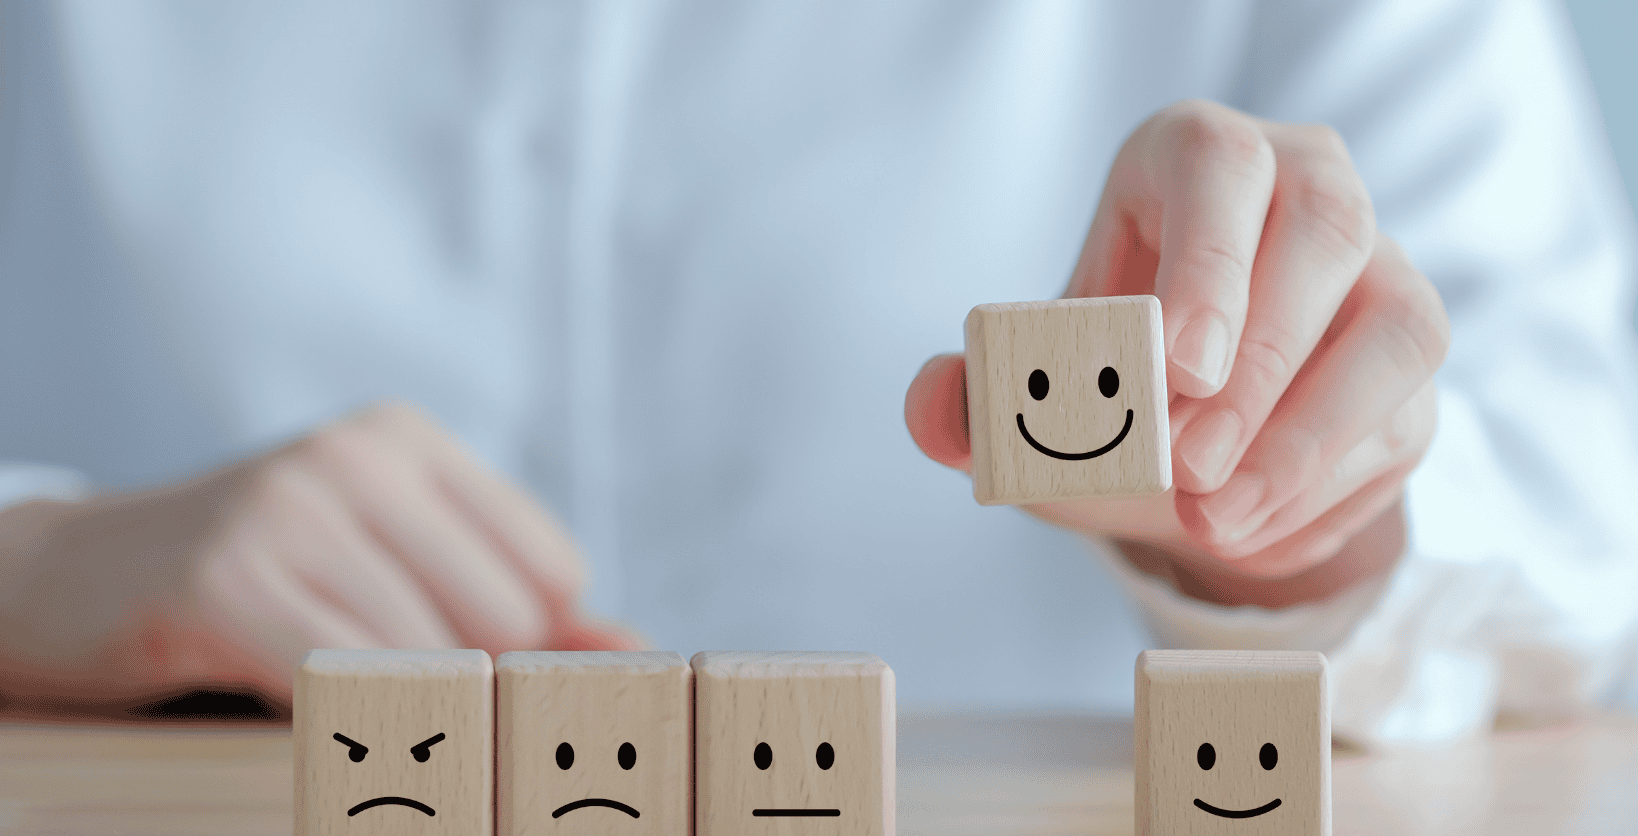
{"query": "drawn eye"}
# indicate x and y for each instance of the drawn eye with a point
(1038, 384)
(763, 756)
(1207, 756)
(565, 755)
(423, 750)
(355, 750)
(627, 756)
(1108, 381)
(825, 756)
(1268, 756)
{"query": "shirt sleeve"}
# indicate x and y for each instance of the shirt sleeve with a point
(1473, 126)
(21, 483)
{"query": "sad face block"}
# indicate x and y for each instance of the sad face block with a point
(394, 742)
(1067, 399)
(1233, 742)
(793, 744)
(594, 742)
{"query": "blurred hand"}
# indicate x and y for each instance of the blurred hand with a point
(378, 531)
(1300, 351)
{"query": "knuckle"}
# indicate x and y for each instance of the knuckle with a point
(1215, 257)
(1208, 131)
(1336, 204)
(1266, 363)
(1416, 329)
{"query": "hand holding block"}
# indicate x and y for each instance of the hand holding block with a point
(1067, 399)
(394, 742)
(594, 742)
(796, 744)
(1232, 742)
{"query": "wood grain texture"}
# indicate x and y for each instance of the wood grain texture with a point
(395, 704)
(1265, 716)
(1071, 342)
(595, 702)
(795, 704)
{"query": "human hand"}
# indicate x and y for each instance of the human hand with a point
(1300, 345)
(380, 530)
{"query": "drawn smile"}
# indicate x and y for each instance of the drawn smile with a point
(1076, 457)
(391, 799)
(1237, 814)
(593, 802)
(796, 811)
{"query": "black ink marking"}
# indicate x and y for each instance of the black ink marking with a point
(1076, 457)
(1038, 384)
(1268, 756)
(794, 812)
(391, 799)
(423, 750)
(355, 750)
(1237, 814)
(627, 756)
(825, 756)
(763, 755)
(1206, 756)
(565, 755)
(1108, 381)
(594, 802)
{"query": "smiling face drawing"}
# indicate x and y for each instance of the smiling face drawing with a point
(1232, 743)
(593, 742)
(394, 742)
(1066, 399)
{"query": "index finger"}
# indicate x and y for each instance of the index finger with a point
(1191, 188)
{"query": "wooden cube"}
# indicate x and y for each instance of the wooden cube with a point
(793, 744)
(594, 742)
(1067, 399)
(395, 742)
(1232, 742)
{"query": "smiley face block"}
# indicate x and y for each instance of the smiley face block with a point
(793, 744)
(394, 742)
(1067, 399)
(594, 742)
(1232, 742)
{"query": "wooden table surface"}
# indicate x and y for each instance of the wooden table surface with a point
(963, 774)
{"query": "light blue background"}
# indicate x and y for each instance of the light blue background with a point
(1608, 30)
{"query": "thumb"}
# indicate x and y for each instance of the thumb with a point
(935, 410)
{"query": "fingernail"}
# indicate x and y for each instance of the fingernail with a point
(1229, 510)
(1202, 349)
(1209, 444)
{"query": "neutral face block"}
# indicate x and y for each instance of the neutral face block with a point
(794, 744)
(594, 742)
(394, 742)
(1067, 399)
(1232, 742)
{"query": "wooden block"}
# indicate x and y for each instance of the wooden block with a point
(395, 742)
(1067, 399)
(1232, 742)
(793, 744)
(594, 742)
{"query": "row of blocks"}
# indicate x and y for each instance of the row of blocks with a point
(1227, 742)
(592, 742)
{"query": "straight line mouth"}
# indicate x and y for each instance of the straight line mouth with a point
(594, 802)
(391, 799)
(794, 811)
(1237, 814)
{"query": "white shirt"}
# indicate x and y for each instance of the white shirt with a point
(673, 268)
